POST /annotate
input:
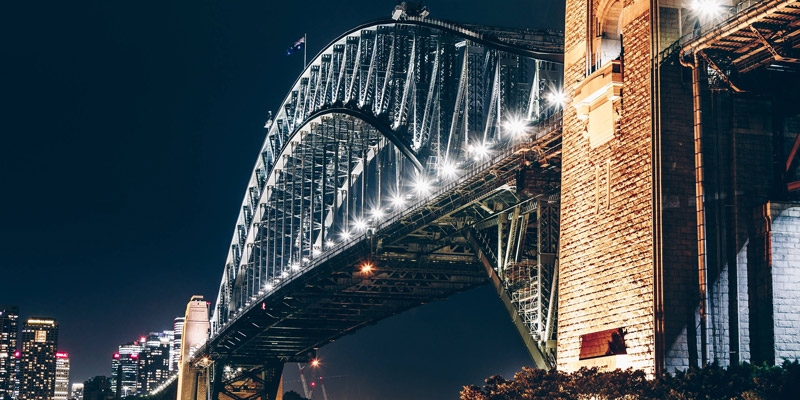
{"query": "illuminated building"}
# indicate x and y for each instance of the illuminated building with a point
(77, 391)
(176, 343)
(61, 390)
(8, 345)
(125, 369)
(154, 361)
(38, 359)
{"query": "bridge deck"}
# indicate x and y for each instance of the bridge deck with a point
(332, 297)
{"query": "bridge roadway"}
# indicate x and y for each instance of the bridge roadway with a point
(420, 255)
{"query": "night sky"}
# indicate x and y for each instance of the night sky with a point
(129, 130)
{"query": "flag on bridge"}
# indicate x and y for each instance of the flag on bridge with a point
(297, 46)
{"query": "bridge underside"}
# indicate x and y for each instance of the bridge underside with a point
(498, 224)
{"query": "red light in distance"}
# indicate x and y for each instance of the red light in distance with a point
(142, 339)
(16, 354)
(134, 356)
(62, 355)
(116, 356)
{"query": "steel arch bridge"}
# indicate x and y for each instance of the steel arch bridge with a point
(411, 160)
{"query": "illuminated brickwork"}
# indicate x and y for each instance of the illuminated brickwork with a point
(606, 270)
(630, 221)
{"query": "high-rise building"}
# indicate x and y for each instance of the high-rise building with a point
(169, 336)
(125, 369)
(176, 342)
(38, 359)
(154, 361)
(61, 390)
(8, 346)
(77, 392)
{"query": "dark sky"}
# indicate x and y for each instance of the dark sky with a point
(128, 132)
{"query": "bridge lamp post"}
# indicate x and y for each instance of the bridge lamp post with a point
(345, 235)
(329, 243)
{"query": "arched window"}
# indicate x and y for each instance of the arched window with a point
(609, 32)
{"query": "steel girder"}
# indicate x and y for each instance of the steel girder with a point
(433, 89)
(382, 112)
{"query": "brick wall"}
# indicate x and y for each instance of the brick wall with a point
(606, 264)
(775, 279)
(785, 246)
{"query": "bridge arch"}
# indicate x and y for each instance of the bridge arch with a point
(387, 112)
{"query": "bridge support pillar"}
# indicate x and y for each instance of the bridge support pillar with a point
(193, 383)
(272, 383)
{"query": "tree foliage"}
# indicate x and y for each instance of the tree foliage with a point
(745, 381)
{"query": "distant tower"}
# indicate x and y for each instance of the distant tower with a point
(38, 365)
(154, 361)
(176, 343)
(195, 334)
(125, 369)
(61, 391)
(8, 346)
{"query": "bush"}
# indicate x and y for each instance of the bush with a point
(712, 382)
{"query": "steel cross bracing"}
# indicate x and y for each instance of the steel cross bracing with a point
(355, 168)
(750, 35)
(420, 254)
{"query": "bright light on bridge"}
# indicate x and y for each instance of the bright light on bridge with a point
(366, 268)
(707, 9)
(345, 235)
(448, 170)
(377, 214)
(556, 97)
(361, 225)
(479, 151)
(422, 186)
(398, 202)
(329, 243)
(516, 126)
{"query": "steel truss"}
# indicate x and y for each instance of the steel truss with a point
(386, 151)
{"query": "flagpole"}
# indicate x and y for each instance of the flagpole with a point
(305, 50)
